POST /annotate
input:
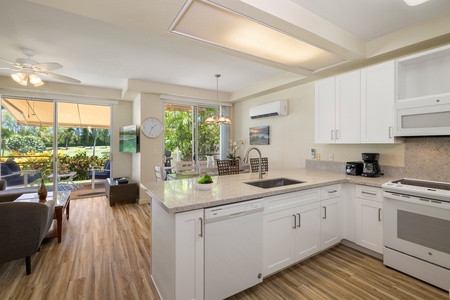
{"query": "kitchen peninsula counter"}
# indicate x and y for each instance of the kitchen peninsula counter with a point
(182, 195)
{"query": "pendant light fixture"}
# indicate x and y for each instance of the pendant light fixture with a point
(218, 119)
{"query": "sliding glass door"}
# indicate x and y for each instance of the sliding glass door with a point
(55, 141)
(186, 136)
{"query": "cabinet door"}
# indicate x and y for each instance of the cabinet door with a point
(377, 103)
(369, 224)
(330, 222)
(278, 235)
(189, 255)
(325, 111)
(348, 103)
(307, 232)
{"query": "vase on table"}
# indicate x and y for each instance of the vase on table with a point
(42, 192)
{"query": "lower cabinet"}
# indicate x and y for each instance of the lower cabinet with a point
(330, 226)
(189, 255)
(298, 225)
(291, 228)
(177, 253)
(369, 218)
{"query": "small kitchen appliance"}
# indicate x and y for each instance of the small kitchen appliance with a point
(371, 168)
(354, 168)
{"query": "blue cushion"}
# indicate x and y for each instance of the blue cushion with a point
(107, 165)
(6, 170)
(13, 166)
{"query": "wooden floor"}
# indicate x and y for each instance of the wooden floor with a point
(105, 254)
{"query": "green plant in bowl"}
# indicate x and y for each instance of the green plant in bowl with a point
(205, 179)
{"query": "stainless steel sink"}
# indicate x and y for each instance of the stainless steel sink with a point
(271, 183)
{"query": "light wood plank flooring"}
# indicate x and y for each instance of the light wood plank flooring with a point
(105, 254)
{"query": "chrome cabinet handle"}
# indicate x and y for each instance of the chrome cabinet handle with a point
(201, 227)
(324, 212)
(379, 214)
(333, 191)
(295, 222)
(390, 132)
(332, 131)
(367, 193)
(299, 221)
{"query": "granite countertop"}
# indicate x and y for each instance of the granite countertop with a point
(182, 195)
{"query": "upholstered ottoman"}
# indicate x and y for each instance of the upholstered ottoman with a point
(120, 192)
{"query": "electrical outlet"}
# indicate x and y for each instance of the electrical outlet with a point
(331, 156)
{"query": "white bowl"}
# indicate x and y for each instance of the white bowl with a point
(204, 186)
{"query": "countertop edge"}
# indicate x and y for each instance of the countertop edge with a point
(333, 178)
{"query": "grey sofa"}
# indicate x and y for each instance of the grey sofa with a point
(9, 195)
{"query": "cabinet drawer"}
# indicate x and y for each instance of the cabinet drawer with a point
(369, 193)
(331, 191)
(290, 200)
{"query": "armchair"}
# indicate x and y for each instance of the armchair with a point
(11, 172)
(100, 173)
(24, 226)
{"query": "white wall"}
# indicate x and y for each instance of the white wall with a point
(292, 136)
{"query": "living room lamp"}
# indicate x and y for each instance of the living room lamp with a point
(219, 119)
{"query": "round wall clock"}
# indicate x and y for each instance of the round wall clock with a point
(152, 127)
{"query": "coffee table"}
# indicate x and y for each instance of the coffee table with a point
(62, 202)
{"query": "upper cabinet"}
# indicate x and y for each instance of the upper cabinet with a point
(356, 107)
(377, 103)
(337, 109)
(422, 105)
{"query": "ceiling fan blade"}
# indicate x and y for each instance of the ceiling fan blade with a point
(60, 77)
(5, 60)
(49, 66)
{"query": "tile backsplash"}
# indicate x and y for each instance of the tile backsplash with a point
(426, 158)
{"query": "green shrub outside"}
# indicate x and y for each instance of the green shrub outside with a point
(80, 162)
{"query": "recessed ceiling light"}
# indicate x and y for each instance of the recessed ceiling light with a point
(414, 2)
(219, 26)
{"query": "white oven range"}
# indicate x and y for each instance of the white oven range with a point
(417, 229)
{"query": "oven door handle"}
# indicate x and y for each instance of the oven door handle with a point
(417, 200)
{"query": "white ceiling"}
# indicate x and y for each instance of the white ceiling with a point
(105, 43)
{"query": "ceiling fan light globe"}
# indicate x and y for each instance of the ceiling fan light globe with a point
(39, 84)
(19, 77)
(35, 79)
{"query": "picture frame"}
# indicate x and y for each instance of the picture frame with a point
(259, 135)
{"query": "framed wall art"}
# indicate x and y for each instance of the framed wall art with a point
(259, 135)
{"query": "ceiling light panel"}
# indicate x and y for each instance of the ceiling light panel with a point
(209, 23)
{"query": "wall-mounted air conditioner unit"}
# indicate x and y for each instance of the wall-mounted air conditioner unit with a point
(277, 108)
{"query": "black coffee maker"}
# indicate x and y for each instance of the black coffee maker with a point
(371, 168)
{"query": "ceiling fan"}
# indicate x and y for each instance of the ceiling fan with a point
(26, 69)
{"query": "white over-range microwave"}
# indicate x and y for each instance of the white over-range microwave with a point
(428, 116)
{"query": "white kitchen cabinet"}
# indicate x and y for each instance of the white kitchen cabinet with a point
(422, 106)
(291, 229)
(377, 103)
(337, 109)
(189, 255)
(325, 110)
(177, 256)
(330, 205)
(369, 222)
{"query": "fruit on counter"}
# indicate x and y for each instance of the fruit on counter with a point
(205, 179)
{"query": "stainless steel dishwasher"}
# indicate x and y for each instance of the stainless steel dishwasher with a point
(233, 248)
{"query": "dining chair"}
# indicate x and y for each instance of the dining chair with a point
(160, 173)
(254, 164)
(227, 166)
(185, 166)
